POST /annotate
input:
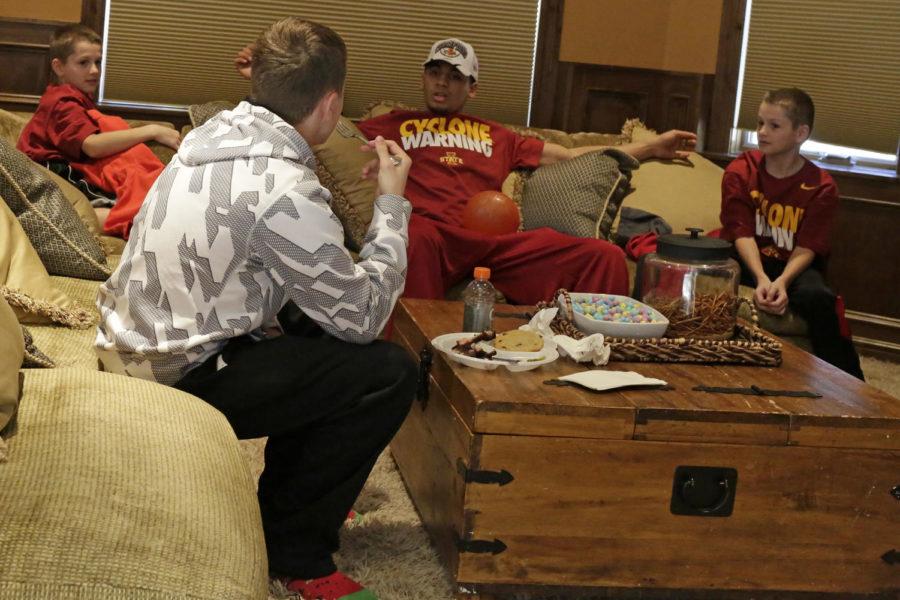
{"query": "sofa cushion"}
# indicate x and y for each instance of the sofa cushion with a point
(24, 281)
(142, 490)
(580, 197)
(686, 193)
(65, 245)
(11, 126)
(13, 344)
(340, 163)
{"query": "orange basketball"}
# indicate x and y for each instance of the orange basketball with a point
(492, 213)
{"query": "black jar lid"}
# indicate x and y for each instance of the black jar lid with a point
(693, 246)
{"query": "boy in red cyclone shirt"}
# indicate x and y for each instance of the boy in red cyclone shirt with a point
(779, 208)
(67, 128)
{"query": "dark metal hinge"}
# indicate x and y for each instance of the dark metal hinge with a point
(891, 557)
(501, 477)
(423, 380)
(895, 492)
(481, 546)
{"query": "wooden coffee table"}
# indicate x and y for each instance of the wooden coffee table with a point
(527, 487)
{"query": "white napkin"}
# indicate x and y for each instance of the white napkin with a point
(610, 380)
(588, 349)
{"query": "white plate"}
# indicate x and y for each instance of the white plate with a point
(526, 361)
(617, 328)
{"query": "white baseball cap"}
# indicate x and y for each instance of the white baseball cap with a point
(456, 52)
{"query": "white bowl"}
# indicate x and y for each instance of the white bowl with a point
(618, 329)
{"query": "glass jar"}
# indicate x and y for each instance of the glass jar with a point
(693, 281)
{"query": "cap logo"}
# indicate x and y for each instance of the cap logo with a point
(451, 49)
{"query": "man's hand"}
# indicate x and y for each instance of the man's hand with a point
(167, 136)
(391, 177)
(243, 61)
(673, 144)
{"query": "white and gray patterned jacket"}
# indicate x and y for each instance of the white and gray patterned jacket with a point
(235, 226)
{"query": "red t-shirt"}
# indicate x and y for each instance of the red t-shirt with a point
(780, 213)
(59, 125)
(454, 157)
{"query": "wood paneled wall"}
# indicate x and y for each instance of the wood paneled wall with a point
(589, 97)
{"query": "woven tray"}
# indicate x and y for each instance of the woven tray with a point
(750, 344)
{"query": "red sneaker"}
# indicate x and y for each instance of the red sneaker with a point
(336, 586)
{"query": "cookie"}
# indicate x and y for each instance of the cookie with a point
(519, 340)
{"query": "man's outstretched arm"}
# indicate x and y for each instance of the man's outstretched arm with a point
(671, 144)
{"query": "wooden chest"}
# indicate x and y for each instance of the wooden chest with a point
(527, 487)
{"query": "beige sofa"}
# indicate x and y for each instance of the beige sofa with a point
(110, 487)
(118, 488)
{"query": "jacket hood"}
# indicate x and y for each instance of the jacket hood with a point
(248, 131)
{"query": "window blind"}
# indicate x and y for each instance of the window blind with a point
(181, 53)
(846, 55)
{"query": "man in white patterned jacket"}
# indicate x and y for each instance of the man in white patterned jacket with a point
(235, 227)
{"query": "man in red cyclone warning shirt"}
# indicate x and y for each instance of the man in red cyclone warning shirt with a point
(456, 155)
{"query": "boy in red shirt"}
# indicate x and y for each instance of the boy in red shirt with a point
(68, 128)
(778, 208)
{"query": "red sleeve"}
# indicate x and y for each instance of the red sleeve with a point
(526, 152)
(815, 228)
(738, 214)
(68, 126)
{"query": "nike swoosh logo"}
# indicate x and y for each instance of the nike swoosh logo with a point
(807, 188)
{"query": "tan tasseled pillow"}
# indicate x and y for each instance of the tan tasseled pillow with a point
(579, 197)
(63, 242)
(24, 281)
(13, 345)
(339, 169)
(686, 193)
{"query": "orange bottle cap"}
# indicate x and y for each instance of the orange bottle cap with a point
(482, 273)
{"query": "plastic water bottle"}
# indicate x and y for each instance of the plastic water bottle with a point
(478, 297)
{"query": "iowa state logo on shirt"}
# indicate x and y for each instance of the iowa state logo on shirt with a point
(453, 133)
(777, 221)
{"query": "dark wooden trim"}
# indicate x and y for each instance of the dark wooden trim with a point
(546, 66)
(93, 14)
(27, 33)
(177, 116)
(731, 33)
(875, 335)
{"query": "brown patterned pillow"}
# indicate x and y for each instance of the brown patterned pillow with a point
(201, 113)
(339, 169)
(34, 358)
(580, 197)
(65, 245)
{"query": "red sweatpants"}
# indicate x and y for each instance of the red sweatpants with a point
(129, 174)
(527, 266)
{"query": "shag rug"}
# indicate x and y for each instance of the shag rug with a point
(388, 549)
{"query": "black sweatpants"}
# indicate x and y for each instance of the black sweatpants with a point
(812, 299)
(328, 408)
